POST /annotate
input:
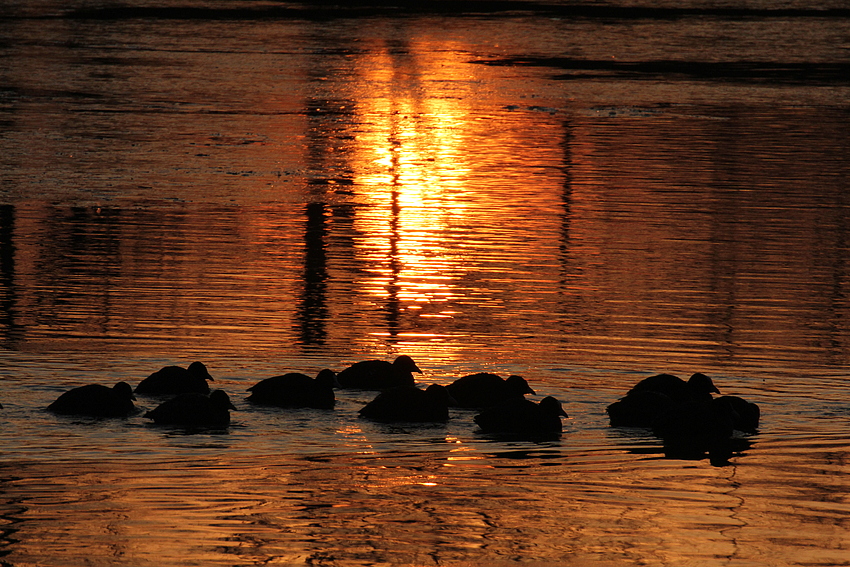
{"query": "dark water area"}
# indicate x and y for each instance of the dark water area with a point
(583, 193)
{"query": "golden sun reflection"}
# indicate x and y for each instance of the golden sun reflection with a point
(461, 452)
(353, 436)
(419, 165)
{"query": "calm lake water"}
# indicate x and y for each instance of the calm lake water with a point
(582, 193)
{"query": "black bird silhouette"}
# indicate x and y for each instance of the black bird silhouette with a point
(686, 417)
(193, 409)
(639, 409)
(522, 417)
(655, 396)
(483, 390)
(176, 380)
(379, 374)
(96, 400)
(296, 390)
(698, 387)
(745, 415)
(409, 404)
(692, 429)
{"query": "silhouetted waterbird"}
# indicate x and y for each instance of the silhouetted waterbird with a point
(176, 380)
(96, 400)
(698, 387)
(523, 417)
(692, 429)
(193, 409)
(379, 374)
(296, 390)
(745, 415)
(410, 404)
(654, 396)
(483, 390)
(639, 409)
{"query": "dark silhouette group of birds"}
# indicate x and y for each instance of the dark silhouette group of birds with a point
(191, 403)
(684, 414)
(687, 417)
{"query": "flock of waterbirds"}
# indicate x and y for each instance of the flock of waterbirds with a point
(684, 414)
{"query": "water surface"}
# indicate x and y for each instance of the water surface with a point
(581, 194)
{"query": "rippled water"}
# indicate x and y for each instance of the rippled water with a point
(584, 194)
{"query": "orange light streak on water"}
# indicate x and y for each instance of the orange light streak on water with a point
(424, 168)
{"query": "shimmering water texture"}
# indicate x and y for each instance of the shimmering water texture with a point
(324, 486)
(583, 194)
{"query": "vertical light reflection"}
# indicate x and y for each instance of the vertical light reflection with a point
(428, 185)
(410, 149)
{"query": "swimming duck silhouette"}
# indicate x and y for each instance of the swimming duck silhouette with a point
(522, 417)
(698, 387)
(193, 409)
(639, 409)
(176, 380)
(694, 428)
(409, 404)
(296, 390)
(745, 415)
(483, 390)
(96, 400)
(655, 396)
(379, 374)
